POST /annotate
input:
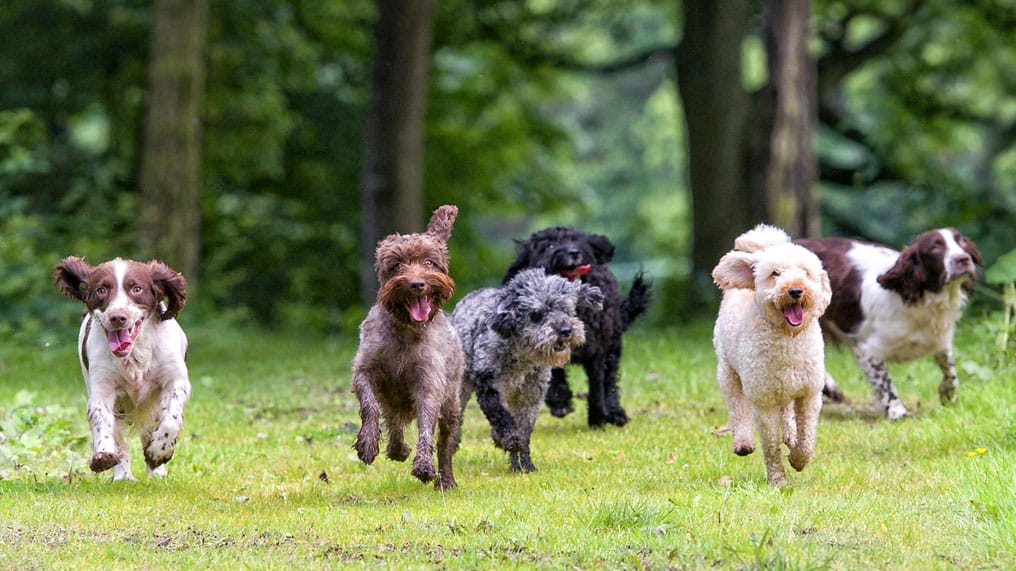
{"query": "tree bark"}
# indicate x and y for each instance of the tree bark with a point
(392, 176)
(170, 225)
(716, 110)
(791, 170)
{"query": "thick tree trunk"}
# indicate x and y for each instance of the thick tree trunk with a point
(392, 178)
(716, 108)
(791, 169)
(170, 179)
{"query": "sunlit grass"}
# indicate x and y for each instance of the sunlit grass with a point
(265, 475)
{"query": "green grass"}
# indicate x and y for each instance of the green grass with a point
(265, 476)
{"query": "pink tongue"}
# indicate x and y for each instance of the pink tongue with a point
(794, 314)
(419, 309)
(578, 272)
(118, 340)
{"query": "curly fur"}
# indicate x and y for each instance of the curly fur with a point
(409, 363)
(769, 348)
(576, 255)
(512, 337)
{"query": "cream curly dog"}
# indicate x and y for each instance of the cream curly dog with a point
(769, 349)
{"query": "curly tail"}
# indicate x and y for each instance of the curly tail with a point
(638, 300)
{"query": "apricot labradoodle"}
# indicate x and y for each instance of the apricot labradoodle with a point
(769, 348)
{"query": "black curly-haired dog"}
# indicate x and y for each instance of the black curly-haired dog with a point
(574, 254)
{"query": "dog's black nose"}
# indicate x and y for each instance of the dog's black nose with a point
(565, 332)
(117, 319)
(795, 292)
(417, 284)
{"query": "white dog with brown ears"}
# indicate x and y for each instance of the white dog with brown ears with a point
(769, 348)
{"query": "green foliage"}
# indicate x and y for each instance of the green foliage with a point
(32, 436)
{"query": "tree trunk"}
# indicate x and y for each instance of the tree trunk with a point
(392, 178)
(716, 108)
(170, 179)
(790, 169)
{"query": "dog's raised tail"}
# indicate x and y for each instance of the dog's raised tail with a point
(760, 238)
(638, 300)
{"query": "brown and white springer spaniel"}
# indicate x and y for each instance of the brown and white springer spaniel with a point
(132, 352)
(891, 306)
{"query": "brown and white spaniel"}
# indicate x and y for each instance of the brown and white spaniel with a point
(891, 306)
(132, 353)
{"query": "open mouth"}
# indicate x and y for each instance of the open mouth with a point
(576, 272)
(794, 314)
(419, 309)
(120, 341)
(560, 347)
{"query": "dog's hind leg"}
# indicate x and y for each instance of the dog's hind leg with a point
(831, 389)
(947, 390)
(596, 369)
(504, 429)
(427, 415)
(370, 429)
(162, 445)
(768, 423)
(789, 426)
(559, 394)
(739, 410)
(878, 375)
(397, 449)
(806, 410)
(615, 413)
(449, 430)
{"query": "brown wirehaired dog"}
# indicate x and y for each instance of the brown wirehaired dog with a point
(409, 364)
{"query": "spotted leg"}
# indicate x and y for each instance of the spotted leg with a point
(878, 375)
(947, 390)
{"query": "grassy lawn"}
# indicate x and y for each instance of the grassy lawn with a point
(266, 476)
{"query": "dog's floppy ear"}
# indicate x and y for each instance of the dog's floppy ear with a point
(590, 297)
(440, 225)
(503, 322)
(736, 270)
(603, 248)
(70, 276)
(907, 277)
(170, 284)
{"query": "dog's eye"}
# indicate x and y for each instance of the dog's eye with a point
(428, 263)
(775, 274)
(101, 290)
(136, 290)
(535, 316)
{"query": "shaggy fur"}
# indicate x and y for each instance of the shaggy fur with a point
(891, 306)
(512, 337)
(769, 349)
(577, 255)
(409, 363)
(132, 353)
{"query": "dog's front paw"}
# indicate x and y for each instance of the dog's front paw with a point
(947, 394)
(561, 411)
(896, 410)
(160, 450)
(366, 449)
(521, 462)
(617, 416)
(798, 460)
(102, 461)
(512, 441)
(423, 469)
(398, 451)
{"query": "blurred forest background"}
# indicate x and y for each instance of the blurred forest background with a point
(263, 146)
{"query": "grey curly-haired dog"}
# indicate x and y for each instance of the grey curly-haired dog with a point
(512, 337)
